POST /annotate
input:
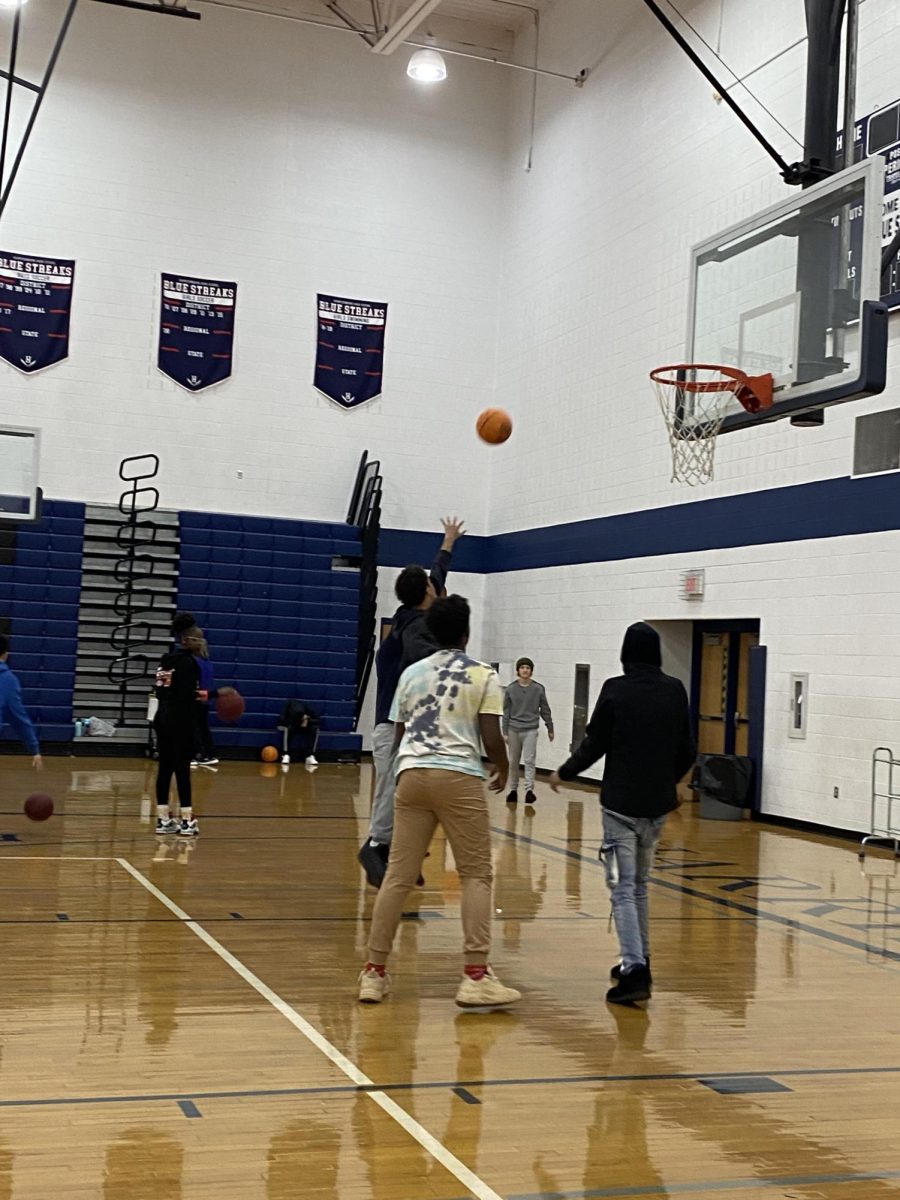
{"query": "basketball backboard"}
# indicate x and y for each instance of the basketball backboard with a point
(20, 452)
(795, 291)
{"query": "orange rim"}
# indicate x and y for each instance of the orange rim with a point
(754, 392)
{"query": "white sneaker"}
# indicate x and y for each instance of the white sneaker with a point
(487, 992)
(189, 828)
(373, 987)
(167, 826)
(312, 761)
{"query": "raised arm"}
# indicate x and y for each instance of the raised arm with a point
(453, 531)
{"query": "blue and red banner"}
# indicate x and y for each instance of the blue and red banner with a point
(350, 349)
(196, 330)
(35, 305)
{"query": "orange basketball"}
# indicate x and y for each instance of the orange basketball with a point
(494, 426)
(269, 754)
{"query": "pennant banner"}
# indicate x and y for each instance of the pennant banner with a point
(196, 330)
(350, 349)
(35, 304)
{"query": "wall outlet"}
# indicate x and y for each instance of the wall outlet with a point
(837, 792)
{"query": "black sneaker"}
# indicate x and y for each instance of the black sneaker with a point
(512, 798)
(616, 972)
(374, 861)
(530, 797)
(632, 985)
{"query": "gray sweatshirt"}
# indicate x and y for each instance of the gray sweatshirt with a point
(524, 707)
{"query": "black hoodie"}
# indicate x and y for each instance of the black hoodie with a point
(642, 723)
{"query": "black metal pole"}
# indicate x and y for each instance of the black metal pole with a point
(815, 249)
(54, 55)
(10, 84)
(721, 90)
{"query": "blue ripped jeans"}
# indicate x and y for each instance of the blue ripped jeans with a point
(629, 844)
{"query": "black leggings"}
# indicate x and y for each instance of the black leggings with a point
(176, 749)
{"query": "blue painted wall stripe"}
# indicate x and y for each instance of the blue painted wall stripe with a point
(802, 512)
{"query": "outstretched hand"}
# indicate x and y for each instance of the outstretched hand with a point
(453, 531)
(555, 781)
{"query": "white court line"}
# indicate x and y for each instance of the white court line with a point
(58, 858)
(427, 1141)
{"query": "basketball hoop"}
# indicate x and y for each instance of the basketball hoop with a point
(695, 399)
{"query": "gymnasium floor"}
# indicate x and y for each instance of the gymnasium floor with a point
(180, 1021)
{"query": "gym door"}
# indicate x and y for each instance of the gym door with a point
(722, 652)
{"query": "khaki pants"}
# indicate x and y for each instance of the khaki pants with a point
(427, 797)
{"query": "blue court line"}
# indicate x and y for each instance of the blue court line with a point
(759, 913)
(712, 1185)
(345, 1089)
(189, 1108)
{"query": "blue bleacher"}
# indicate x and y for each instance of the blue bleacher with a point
(280, 622)
(40, 591)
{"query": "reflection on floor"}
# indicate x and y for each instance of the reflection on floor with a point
(148, 1047)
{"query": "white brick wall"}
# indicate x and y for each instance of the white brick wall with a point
(292, 160)
(629, 173)
(828, 608)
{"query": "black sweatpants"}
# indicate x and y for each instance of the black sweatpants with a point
(175, 743)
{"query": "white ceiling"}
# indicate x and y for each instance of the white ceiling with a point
(478, 26)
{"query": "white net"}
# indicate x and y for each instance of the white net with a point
(694, 403)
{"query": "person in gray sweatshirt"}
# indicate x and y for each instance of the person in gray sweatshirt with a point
(524, 707)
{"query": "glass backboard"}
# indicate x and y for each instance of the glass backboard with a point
(20, 452)
(795, 292)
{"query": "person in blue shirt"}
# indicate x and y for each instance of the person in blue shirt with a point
(205, 750)
(12, 709)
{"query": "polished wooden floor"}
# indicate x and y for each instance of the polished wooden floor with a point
(179, 1020)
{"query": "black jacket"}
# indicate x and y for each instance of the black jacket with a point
(642, 723)
(177, 684)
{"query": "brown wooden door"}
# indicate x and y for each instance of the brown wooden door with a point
(742, 714)
(711, 732)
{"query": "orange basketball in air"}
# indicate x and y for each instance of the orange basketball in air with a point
(269, 754)
(494, 426)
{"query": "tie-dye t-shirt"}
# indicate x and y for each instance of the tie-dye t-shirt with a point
(438, 700)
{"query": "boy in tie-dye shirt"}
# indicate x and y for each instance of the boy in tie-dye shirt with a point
(445, 707)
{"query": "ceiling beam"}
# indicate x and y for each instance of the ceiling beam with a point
(405, 25)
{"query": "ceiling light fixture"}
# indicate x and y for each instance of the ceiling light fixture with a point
(427, 66)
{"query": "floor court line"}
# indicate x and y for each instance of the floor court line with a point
(478, 1188)
(700, 1187)
(759, 914)
(346, 1089)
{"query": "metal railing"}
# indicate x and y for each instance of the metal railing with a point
(884, 819)
(365, 514)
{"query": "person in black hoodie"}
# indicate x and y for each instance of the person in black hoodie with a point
(408, 642)
(642, 723)
(177, 690)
